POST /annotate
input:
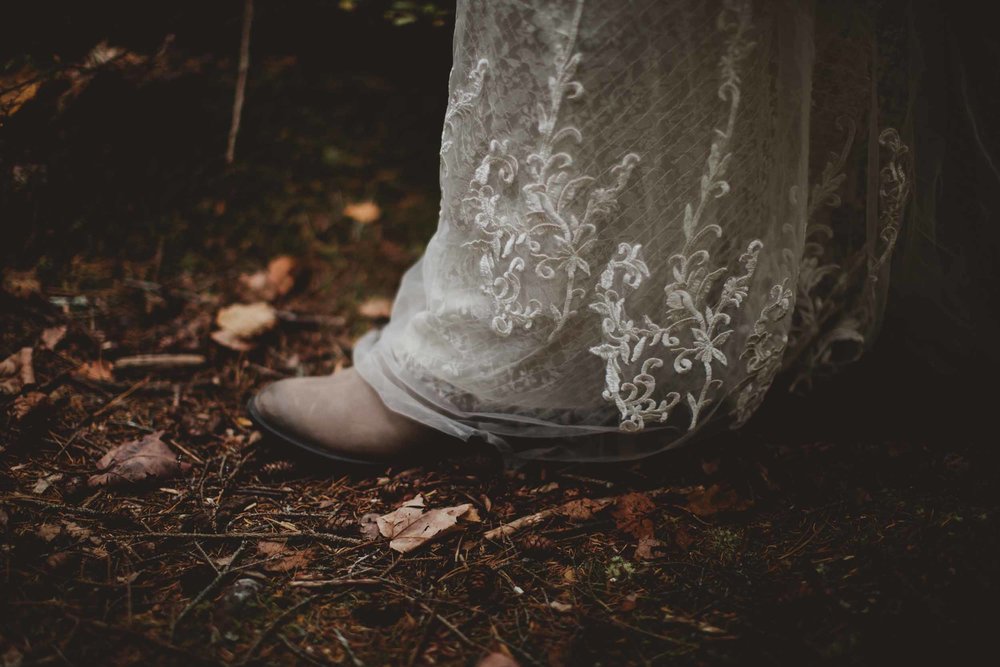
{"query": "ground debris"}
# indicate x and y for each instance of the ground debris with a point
(138, 461)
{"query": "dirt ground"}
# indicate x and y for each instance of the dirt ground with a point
(854, 526)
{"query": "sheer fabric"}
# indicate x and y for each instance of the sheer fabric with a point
(649, 210)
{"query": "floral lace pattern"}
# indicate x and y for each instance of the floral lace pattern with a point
(551, 226)
(649, 212)
(688, 309)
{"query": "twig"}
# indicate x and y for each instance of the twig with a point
(205, 592)
(299, 652)
(100, 411)
(241, 80)
(347, 648)
(159, 361)
(323, 583)
(322, 537)
(458, 633)
(418, 650)
(275, 624)
(106, 517)
(596, 505)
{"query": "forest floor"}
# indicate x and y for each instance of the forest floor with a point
(835, 537)
(771, 547)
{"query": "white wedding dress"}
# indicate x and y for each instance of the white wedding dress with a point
(649, 210)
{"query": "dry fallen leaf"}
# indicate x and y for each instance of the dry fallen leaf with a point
(631, 514)
(97, 371)
(49, 531)
(276, 281)
(376, 308)
(287, 562)
(52, 336)
(583, 509)
(19, 88)
(76, 531)
(369, 526)
(269, 548)
(363, 212)
(136, 461)
(293, 561)
(43, 483)
(30, 407)
(646, 550)
(21, 284)
(703, 501)
(16, 371)
(240, 323)
(410, 527)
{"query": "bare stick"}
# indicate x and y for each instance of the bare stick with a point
(215, 583)
(241, 80)
(277, 623)
(324, 583)
(595, 505)
(320, 537)
(157, 361)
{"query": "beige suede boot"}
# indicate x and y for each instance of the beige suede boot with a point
(340, 417)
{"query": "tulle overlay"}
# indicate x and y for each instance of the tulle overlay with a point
(649, 210)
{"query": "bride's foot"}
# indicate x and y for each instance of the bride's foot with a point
(338, 416)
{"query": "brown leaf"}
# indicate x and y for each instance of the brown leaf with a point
(631, 515)
(16, 371)
(716, 498)
(21, 284)
(97, 371)
(136, 461)
(410, 527)
(583, 509)
(76, 531)
(293, 561)
(52, 336)
(369, 526)
(646, 550)
(363, 212)
(269, 548)
(240, 323)
(286, 562)
(376, 308)
(30, 407)
(276, 281)
(281, 274)
(49, 531)
(682, 537)
(19, 88)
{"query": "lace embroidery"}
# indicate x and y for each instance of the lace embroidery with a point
(687, 296)
(893, 194)
(764, 349)
(459, 105)
(850, 331)
(763, 352)
(551, 228)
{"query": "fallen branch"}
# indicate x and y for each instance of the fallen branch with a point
(212, 586)
(277, 623)
(595, 505)
(106, 517)
(159, 361)
(322, 537)
(324, 583)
